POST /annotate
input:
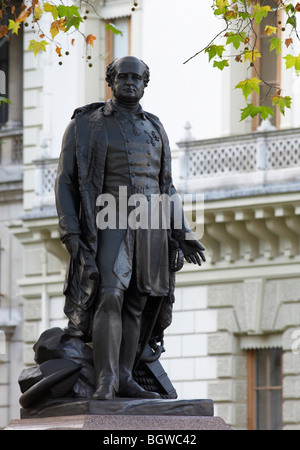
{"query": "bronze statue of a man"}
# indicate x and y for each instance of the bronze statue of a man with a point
(114, 271)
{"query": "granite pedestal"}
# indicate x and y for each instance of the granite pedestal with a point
(120, 414)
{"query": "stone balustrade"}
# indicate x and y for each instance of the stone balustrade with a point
(252, 161)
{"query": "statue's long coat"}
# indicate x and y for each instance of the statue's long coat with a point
(79, 182)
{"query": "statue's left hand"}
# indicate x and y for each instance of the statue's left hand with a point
(193, 251)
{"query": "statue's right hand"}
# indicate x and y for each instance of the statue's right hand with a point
(73, 246)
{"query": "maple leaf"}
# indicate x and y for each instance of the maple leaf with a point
(3, 30)
(57, 26)
(270, 30)
(236, 39)
(36, 47)
(73, 21)
(14, 26)
(22, 16)
(275, 44)
(58, 50)
(68, 11)
(229, 15)
(111, 27)
(248, 86)
(282, 102)
(71, 14)
(38, 12)
(244, 15)
(288, 42)
(221, 64)
(253, 111)
(297, 7)
(4, 100)
(259, 12)
(293, 61)
(48, 7)
(215, 50)
(90, 39)
(221, 5)
(292, 21)
(251, 55)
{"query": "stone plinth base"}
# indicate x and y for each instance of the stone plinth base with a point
(120, 406)
(120, 414)
(120, 422)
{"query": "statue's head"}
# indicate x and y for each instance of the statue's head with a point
(128, 76)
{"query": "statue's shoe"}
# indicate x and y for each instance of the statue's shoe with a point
(131, 389)
(104, 392)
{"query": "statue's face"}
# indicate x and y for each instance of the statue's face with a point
(128, 83)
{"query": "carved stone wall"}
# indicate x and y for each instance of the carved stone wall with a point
(250, 287)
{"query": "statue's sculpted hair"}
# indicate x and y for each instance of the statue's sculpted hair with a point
(111, 72)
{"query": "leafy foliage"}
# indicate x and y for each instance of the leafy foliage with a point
(282, 102)
(113, 28)
(36, 47)
(4, 100)
(62, 19)
(238, 42)
(249, 86)
(252, 111)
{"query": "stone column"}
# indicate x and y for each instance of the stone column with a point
(15, 110)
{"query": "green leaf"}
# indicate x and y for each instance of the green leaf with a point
(4, 100)
(282, 102)
(259, 12)
(275, 45)
(113, 29)
(292, 21)
(244, 15)
(68, 11)
(215, 50)
(253, 111)
(221, 5)
(235, 39)
(51, 8)
(289, 8)
(221, 64)
(248, 86)
(73, 21)
(72, 15)
(293, 61)
(36, 47)
(265, 111)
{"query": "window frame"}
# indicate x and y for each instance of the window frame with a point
(109, 48)
(252, 388)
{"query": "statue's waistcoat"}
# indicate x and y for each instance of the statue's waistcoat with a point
(91, 153)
